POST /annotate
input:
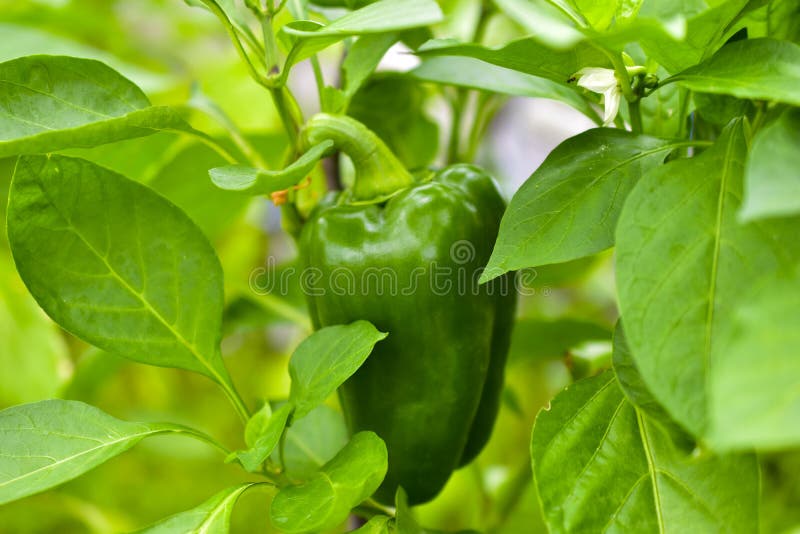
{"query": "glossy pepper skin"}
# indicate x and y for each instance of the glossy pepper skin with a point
(410, 265)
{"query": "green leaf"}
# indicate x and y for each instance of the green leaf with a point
(263, 182)
(759, 69)
(405, 522)
(543, 21)
(113, 275)
(762, 358)
(379, 524)
(262, 438)
(49, 442)
(476, 74)
(630, 381)
(362, 58)
(214, 515)
(524, 55)
(682, 257)
(705, 25)
(772, 175)
(569, 207)
(325, 500)
(312, 441)
(33, 354)
(602, 466)
(379, 17)
(412, 136)
(325, 359)
(182, 178)
(50, 103)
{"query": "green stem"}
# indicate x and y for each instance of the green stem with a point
(180, 429)
(379, 174)
(204, 104)
(211, 143)
(635, 112)
(238, 404)
(280, 97)
(270, 47)
(320, 80)
(237, 43)
(457, 107)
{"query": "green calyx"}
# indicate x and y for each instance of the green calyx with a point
(379, 174)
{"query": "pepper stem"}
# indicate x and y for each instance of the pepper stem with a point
(378, 171)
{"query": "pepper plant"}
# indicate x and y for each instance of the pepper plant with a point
(679, 405)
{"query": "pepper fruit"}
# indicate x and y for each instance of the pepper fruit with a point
(406, 255)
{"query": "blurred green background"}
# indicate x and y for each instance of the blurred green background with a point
(564, 318)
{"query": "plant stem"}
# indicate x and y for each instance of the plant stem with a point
(320, 80)
(457, 107)
(280, 99)
(635, 113)
(238, 404)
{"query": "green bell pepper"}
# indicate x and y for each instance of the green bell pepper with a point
(406, 254)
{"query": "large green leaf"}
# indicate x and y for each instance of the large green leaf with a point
(602, 466)
(569, 207)
(706, 26)
(116, 264)
(476, 74)
(325, 500)
(755, 399)
(760, 69)
(524, 55)
(772, 176)
(47, 443)
(324, 360)
(48, 103)
(682, 259)
(214, 515)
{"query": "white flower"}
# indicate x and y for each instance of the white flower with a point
(603, 81)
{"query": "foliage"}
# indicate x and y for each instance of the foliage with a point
(135, 152)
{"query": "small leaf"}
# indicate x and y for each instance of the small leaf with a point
(759, 69)
(264, 182)
(772, 175)
(47, 443)
(312, 441)
(376, 18)
(379, 524)
(405, 522)
(113, 276)
(602, 466)
(214, 515)
(362, 59)
(325, 500)
(324, 360)
(50, 103)
(569, 207)
(265, 441)
(762, 358)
